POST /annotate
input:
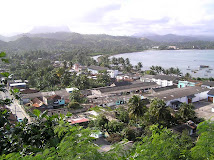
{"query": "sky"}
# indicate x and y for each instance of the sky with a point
(114, 17)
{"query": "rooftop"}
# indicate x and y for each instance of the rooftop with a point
(166, 77)
(98, 68)
(175, 93)
(211, 92)
(164, 88)
(211, 83)
(127, 88)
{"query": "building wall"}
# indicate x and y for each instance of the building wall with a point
(93, 71)
(182, 84)
(112, 73)
(198, 97)
(163, 83)
(207, 86)
(61, 102)
(211, 96)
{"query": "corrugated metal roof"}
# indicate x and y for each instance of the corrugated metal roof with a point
(177, 93)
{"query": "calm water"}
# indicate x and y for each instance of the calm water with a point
(183, 59)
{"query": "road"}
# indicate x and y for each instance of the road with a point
(14, 107)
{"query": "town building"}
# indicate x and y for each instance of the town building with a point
(174, 97)
(211, 95)
(96, 69)
(165, 80)
(209, 85)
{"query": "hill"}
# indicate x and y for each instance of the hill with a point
(67, 42)
(168, 38)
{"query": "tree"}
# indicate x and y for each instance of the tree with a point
(121, 60)
(127, 61)
(159, 113)
(136, 107)
(186, 112)
(139, 66)
(187, 76)
(70, 64)
(204, 144)
(122, 115)
(101, 122)
(114, 61)
(162, 144)
(114, 126)
(103, 78)
(76, 96)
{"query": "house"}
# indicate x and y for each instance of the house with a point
(147, 78)
(127, 77)
(28, 91)
(165, 80)
(36, 102)
(96, 69)
(18, 85)
(116, 95)
(78, 67)
(172, 47)
(54, 100)
(174, 97)
(70, 90)
(112, 73)
(211, 95)
(155, 47)
(189, 83)
(182, 84)
(25, 98)
(190, 126)
(208, 84)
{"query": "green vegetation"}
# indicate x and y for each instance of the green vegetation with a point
(53, 138)
(160, 70)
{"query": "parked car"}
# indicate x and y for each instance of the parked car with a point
(19, 119)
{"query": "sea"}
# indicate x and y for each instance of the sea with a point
(186, 60)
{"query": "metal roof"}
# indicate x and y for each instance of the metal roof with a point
(177, 93)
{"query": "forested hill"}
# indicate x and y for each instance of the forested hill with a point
(56, 42)
(64, 42)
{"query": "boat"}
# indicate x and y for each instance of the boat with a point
(204, 66)
(208, 71)
(188, 68)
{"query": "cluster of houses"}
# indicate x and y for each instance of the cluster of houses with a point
(171, 89)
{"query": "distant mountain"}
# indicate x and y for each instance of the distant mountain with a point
(168, 38)
(47, 29)
(68, 42)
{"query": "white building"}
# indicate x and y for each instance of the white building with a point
(165, 80)
(174, 97)
(95, 70)
(209, 85)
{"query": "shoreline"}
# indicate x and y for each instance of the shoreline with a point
(112, 54)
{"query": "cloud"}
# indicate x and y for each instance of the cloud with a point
(118, 17)
(98, 14)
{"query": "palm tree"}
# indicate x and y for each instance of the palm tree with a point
(136, 107)
(159, 112)
(139, 66)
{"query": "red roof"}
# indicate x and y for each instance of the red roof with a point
(76, 121)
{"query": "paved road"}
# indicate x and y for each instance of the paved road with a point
(14, 107)
(204, 110)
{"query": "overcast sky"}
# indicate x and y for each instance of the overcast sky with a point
(114, 17)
